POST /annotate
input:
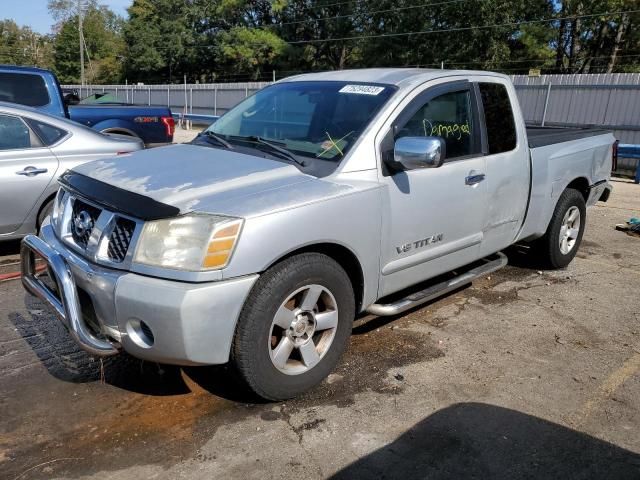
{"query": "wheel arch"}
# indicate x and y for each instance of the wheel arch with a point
(580, 184)
(42, 205)
(121, 131)
(343, 256)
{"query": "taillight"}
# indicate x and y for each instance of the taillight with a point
(123, 153)
(614, 156)
(169, 125)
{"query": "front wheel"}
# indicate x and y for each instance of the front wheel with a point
(294, 326)
(559, 245)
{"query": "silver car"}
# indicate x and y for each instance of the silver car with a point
(35, 148)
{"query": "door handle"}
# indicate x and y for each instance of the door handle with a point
(474, 179)
(32, 171)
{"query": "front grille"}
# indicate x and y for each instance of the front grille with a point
(120, 239)
(83, 219)
(78, 221)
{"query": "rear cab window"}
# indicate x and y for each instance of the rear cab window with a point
(23, 88)
(498, 118)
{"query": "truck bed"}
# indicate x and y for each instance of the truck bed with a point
(543, 136)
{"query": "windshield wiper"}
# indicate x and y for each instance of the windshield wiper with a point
(209, 135)
(274, 148)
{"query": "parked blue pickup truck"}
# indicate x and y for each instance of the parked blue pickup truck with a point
(39, 88)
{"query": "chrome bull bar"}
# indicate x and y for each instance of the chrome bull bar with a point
(67, 307)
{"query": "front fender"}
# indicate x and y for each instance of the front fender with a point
(350, 220)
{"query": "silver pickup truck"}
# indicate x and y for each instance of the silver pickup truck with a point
(319, 198)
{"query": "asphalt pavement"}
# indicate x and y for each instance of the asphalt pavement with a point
(525, 374)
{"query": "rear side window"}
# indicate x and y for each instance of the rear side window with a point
(47, 133)
(14, 134)
(23, 88)
(498, 115)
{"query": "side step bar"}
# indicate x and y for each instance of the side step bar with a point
(492, 263)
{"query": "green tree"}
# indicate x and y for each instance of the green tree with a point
(249, 51)
(163, 41)
(589, 42)
(23, 46)
(241, 39)
(104, 44)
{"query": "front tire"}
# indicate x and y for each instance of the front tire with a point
(559, 245)
(294, 326)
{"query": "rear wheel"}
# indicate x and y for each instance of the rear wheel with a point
(559, 245)
(294, 326)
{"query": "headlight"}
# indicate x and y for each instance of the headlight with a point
(191, 242)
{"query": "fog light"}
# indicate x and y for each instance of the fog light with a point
(140, 333)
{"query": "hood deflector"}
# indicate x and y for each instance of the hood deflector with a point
(116, 199)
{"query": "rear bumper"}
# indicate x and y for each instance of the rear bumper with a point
(151, 318)
(599, 192)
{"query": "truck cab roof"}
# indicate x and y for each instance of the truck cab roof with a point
(24, 69)
(399, 77)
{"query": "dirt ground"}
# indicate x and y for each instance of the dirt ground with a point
(525, 374)
(184, 135)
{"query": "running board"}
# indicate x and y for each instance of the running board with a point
(492, 263)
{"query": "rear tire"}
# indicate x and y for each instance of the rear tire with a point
(294, 326)
(560, 243)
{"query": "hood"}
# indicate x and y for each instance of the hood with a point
(195, 178)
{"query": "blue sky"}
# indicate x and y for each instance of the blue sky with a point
(34, 13)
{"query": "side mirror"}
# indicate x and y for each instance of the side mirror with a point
(419, 152)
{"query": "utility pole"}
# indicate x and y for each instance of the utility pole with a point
(81, 38)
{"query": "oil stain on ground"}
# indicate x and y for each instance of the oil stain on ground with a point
(371, 355)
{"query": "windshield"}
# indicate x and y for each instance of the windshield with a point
(311, 119)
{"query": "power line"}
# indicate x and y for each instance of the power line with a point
(334, 4)
(427, 32)
(460, 29)
(338, 17)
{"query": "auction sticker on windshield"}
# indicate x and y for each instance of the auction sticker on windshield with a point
(361, 89)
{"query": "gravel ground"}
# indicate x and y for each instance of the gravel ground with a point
(525, 374)
(183, 135)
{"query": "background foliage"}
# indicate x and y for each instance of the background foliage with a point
(238, 40)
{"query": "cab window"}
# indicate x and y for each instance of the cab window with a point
(23, 88)
(498, 116)
(448, 116)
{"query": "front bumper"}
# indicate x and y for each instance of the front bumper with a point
(154, 319)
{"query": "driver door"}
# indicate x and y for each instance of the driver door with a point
(433, 217)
